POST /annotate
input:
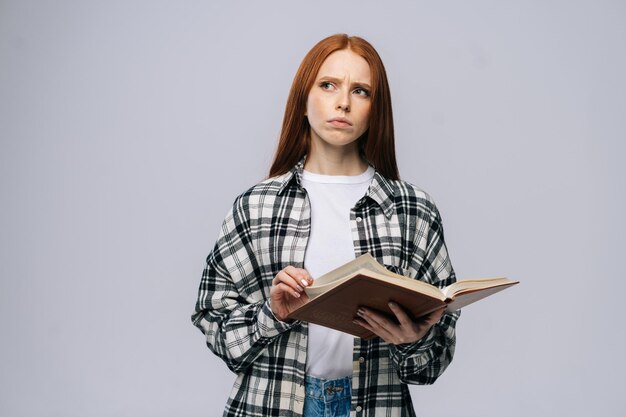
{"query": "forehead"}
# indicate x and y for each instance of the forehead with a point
(346, 64)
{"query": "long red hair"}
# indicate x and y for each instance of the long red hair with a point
(377, 144)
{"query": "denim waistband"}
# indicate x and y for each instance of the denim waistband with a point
(328, 389)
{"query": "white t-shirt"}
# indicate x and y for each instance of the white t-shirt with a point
(331, 245)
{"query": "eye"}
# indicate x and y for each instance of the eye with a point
(362, 92)
(326, 85)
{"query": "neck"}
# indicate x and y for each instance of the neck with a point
(335, 161)
(327, 159)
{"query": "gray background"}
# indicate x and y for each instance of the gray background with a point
(128, 127)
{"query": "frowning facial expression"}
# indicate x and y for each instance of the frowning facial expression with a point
(338, 106)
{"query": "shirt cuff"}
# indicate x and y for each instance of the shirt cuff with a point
(419, 347)
(269, 325)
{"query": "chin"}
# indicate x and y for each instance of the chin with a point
(341, 140)
(341, 143)
(336, 138)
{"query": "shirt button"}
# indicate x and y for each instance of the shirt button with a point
(361, 359)
(358, 219)
(359, 408)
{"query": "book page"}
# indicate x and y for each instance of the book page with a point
(470, 291)
(319, 288)
(388, 277)
(365, 262)
(471, 285)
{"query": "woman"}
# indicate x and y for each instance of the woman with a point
(334, 193)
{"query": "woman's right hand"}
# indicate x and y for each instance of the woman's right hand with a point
(287, 292)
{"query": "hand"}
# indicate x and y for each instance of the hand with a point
(287, 292)
(407, 331)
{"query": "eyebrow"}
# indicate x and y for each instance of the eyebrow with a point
(339, 81)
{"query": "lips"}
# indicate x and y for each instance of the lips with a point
(340, 122)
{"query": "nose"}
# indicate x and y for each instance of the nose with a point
(343, 101)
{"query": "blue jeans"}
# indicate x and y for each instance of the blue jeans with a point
(327, 398)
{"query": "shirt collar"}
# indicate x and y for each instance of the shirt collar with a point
(381, 190)
(295, 174)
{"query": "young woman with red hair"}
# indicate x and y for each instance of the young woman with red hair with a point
(333, 193)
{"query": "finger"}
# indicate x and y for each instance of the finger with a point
(374, 317)
(363, 323)
(285, 278)
(374, 328)
(400, 314)
(300, 275)
(393, 334)
(282, 287)
(371, 317)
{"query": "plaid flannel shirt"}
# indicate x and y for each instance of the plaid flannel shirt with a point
(266, 230)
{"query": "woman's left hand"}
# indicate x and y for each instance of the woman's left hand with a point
(405, 331)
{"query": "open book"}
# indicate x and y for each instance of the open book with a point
(336, 296)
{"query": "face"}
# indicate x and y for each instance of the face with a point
(338, 105)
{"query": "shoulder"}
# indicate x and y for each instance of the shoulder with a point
(269, 187)
(413, 201)
(405, 191)
(263, 194)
